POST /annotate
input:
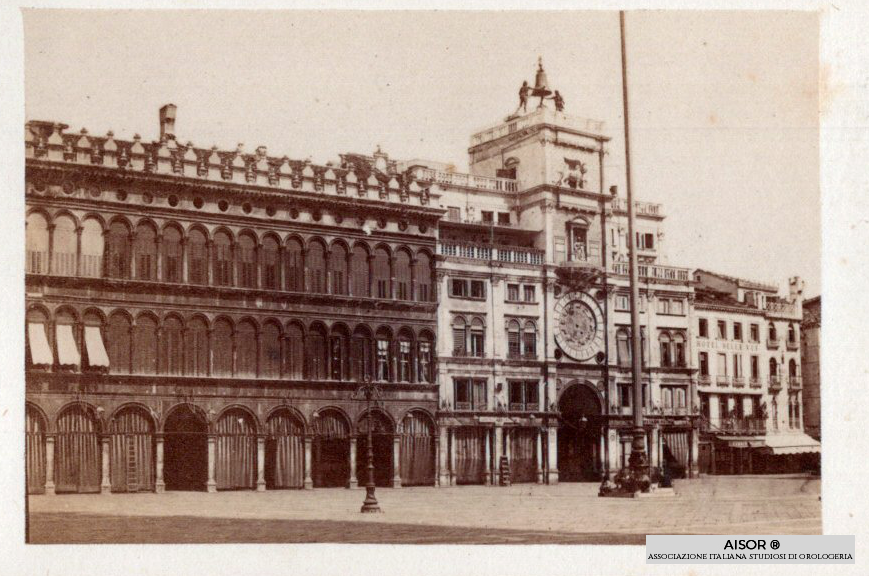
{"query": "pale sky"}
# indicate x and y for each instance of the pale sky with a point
(724, 105)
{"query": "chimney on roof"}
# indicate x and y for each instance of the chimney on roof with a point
(167, 122)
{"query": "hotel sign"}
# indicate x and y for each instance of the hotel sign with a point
(709, 344)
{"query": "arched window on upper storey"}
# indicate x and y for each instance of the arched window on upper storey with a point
(146, 252)
(172, 254)
(118, 250)
(338, 269)
(402, 275)
(360, 281)
(37, 244)
(424, 292)
(91, 248)
(197, 257)
(65, 247)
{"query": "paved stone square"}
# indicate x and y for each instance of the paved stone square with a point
(527, 513)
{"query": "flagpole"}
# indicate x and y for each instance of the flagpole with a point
(639, 478)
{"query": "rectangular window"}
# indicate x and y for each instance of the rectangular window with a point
(704, 364)
(424, 360)
(487, 216)
(513, 292)
(755, 333)
(663, 306)
(523, 395)
(622, 302)
(722, 330)
(504, 218)
(737, 331)
(680, 353)
(755, 367)
(470, 394)
(645, 241)
(625, 395)
(530, 294)
(737, 366)
(454, 214)
(677, 307)
(458, 288)
(722, 365)
(403, 291)
(478, 289)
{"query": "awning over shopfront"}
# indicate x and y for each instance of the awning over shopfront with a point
(40, 351)
(791, 443)
(742, 441)
(93, 340)
(67, 351)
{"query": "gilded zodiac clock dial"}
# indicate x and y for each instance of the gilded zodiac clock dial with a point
(580, 326)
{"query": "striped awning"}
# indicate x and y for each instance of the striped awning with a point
(40, 351)
(96, 350)
(67, 351)
(791, 443)
(677, 442)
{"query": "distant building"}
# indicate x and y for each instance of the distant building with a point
(810, 349)
(747, 343)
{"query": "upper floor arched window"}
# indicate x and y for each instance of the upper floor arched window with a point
(37, 244)
(221, 348)
(792, 333)
(246, 349)
(246, 262)
(792, 368)
(172, 346)
(270, 366)
(425, 372)
(146, 252)
(338, 269)
(91, 260)
(145, 345)
(172, 254)
(315, 265)
(271, 264)
(773, 335)
(529, 340)
(402, 275)
(514, 339)
(360, 284)
(197, 257)
(423, 274)
(223, 269)
(295, 354)
(666, 350)
(118, 250)
(64, 247)
(295, 269)
(197, 351)
(382, 274)
(118, 343)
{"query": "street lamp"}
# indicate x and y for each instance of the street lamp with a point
(369, 391)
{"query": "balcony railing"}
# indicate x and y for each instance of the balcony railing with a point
(748, 426)
(781, 308)
(792, 344)
(775, 383)
(723, 381)
(642, 208)
(524, 407)
(654, 271)
(463, 405)
(465, 180)
(539, 116)
(705, 380)
(738, 382)
(754, 383)
(514, 254)
(461, 353)
(772, 343)
(64, 264)
(795, 382)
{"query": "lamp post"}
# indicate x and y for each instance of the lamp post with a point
(369, 391)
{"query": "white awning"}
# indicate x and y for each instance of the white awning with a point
(791, 443)
(93, 341)
(67, 351)
(40, 351)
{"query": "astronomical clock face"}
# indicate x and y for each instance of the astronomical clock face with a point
(580, 326)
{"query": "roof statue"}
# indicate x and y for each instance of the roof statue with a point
(541, 90)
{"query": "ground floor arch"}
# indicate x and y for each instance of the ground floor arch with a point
(131, 456)
(418, 450)
(579, 435)
(185, 450)
(78, 456)
(331, 450)
(35, 429)
(382, 442)
(524, 460)
(235, 454)
(470, 454)
(284, 451)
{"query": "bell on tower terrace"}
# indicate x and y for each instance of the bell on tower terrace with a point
(541, 84)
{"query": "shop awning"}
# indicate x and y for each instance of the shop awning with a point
(40, 351)
(67, 351)
(791, 443)
(93, 341)
(742, 441)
